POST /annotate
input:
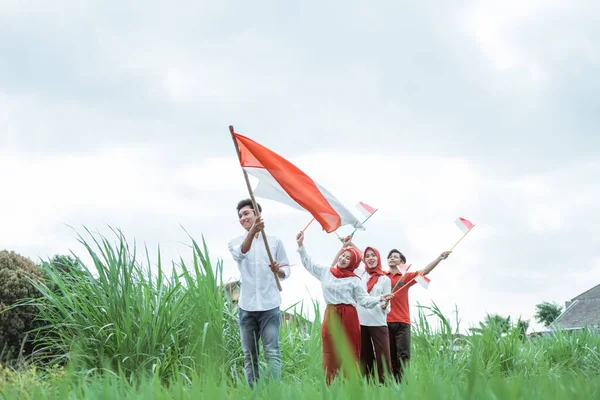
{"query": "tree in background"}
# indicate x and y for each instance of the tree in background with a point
(546, 312)
(501, 325)
(523, 325)
(16, 273)
(65, 265)
(497, 322)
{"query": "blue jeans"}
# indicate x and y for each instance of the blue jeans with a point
(264, 325)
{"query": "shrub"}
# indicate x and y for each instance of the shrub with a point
(16, 275)
(69, 267)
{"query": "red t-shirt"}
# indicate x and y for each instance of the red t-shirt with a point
(399, 308)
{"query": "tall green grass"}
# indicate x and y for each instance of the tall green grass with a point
(129, 316)
(492, 353)
(127, 328)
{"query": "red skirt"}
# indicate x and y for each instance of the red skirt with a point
(348, 317)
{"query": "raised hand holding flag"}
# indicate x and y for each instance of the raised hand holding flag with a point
(254, 206)
(364, 209)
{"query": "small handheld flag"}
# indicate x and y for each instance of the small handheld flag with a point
(365, 209)
(465, 226)
(423, 280)
(420, 278)
(403, 269)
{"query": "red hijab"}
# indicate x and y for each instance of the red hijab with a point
(355, 259)
(374, 272)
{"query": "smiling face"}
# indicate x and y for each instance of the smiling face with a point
(344, 259)
(395, 259)
(371, 259)
(247, 217)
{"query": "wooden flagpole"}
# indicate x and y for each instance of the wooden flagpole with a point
(262, 231)
(462, 237)
(307, 225)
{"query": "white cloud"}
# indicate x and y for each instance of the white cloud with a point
(114, 115)
(48, 191)
(494, 25)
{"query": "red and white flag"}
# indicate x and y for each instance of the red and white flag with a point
(423, 280)
(403, 268)
(281, 181)
(365, 209)
(464, 224)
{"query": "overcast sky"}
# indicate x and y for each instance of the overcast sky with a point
(117, 114)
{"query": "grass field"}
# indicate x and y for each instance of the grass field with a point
(119, 331)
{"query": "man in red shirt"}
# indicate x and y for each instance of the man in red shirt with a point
(398, 319)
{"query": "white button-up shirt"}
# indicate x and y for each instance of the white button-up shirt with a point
(259, 290)
(374, 316)
(339, 291)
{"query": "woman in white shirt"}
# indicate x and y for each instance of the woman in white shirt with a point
(375, 342)
(343, 291)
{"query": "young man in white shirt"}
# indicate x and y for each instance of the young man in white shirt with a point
(259, 313)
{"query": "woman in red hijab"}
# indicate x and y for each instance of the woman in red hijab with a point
(375, 341)
(343, 291)
(374, 332)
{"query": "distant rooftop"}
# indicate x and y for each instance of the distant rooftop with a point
(581, 311)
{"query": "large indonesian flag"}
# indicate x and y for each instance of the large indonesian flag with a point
(281, 181)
